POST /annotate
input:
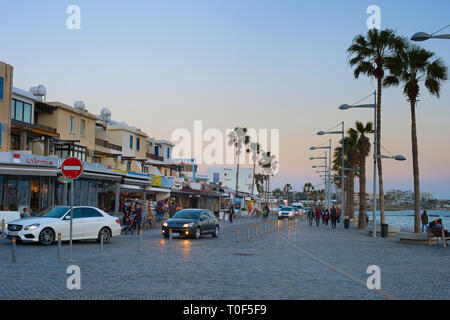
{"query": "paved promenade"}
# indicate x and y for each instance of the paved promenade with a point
(311, 263)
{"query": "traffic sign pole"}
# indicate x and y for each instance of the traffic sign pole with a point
(71, 218)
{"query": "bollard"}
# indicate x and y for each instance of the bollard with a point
(170, 238)
(59, 246)
(237, 234)
(140, 240)
(248, 232)
(3, 228)
(13, 242)
(256, 230)
(101, 243)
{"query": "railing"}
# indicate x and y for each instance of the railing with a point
(108, 145)
(34, 126)
(154, 157)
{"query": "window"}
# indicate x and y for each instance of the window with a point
(168, 153)
(131, 142)
(21, 111)
(1, 88)
(0, 146)
(156, 150)
(71, 124)
(82, 127)
(138, 143)
(90, 213)
(128, 165)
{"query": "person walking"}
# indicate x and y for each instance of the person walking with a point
(339, 215)
(326, 217)
(231, 213)
(172, 209)
(334, 217)
(266, 212)
(424, 219)
(138, 215)
(318, 216)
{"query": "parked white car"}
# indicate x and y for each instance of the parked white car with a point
(88, 223)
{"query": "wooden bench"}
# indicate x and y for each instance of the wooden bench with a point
(437, 232)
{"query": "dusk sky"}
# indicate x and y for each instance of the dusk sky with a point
(161, 65)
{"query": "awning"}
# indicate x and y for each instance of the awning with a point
(101, 176)
(29, 171)
(137, 182)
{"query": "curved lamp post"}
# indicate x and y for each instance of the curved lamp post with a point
(423, 36)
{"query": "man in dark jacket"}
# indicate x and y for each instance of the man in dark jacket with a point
(424, 219)
(334, 216)
(231, 213)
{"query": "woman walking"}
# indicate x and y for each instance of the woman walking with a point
(326, 217)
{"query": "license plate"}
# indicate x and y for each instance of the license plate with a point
(13, 233)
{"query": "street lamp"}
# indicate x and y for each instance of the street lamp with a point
(342, 132)
(423, 36)
(329, 168)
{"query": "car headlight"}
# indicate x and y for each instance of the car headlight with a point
(32, 227)
(188, 225)
(165, 224)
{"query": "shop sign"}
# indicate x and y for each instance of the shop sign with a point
(155, 181)
(62, 179)
(32, 160)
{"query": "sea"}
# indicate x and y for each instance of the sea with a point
(405, 218)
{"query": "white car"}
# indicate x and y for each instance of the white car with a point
(286, 212)
(88, 223)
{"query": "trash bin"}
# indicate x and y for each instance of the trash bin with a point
(346, 223)
(384, 230)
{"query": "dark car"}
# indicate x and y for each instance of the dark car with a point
(192, 223)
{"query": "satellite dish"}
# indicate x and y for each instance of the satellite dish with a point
(39, 91)
(105, 115)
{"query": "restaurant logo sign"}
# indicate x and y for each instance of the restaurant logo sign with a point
(31, 160)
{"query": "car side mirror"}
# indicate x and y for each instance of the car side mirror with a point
(67, 217)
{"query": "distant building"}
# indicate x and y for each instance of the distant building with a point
(425, 196)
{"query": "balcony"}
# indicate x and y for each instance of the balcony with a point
(107, 145)
(153, 157)
(35, 126)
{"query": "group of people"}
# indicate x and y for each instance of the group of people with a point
(437, 223)
(132, 215)
(322, 214)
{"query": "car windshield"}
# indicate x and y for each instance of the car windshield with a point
(187, 214)
(286, 208)
(55, 212)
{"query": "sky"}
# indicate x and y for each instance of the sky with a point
(161, 65)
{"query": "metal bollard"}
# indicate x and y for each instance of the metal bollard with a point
(170, 238)
(237, 234)
(140, 240)
(13, 242)
(59, 246)
(3, 228)
(256, 230)
(101, 243)
(248, 232)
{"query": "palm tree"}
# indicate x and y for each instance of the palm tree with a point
(321, 195)
(268, 164)
(239, 138)
(255, 149)
(307, 188)
(411, 66)
(259, 181)
(363, 146)
(370, 54)
(278, 193)
(287, 188)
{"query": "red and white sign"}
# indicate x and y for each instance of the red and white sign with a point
(72, 168)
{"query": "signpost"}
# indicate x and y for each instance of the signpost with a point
(72, 168)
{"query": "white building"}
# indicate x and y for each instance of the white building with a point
(228, 178)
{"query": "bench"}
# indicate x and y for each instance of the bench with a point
(437, 232)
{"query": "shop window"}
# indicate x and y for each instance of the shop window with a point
(11, 194)
(24, 192)
(84, 201)
(1, 193)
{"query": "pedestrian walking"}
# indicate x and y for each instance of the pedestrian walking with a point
(172, 209)
(339, 215)
(231, 213)
(138, 215)
(424, 219)
(326, 217)
(266, 212)
(334, 217)
(318, 216)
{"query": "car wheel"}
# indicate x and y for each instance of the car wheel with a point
(198, 233)
(106, 235)
(47, 236)
(216, 232)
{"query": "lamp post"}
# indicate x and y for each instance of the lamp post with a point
(329, 168)
(375, 147)
(342, 132)
(423, 36)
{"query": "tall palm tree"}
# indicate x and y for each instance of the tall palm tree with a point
(239, 138)
(410, 67)
(255, 149)
(321, 195)
(259, 181)
(268, 164)
(363, 146)
(369, 57)
(287, 188)
(307, 188)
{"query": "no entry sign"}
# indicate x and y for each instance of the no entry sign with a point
(72, 168)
